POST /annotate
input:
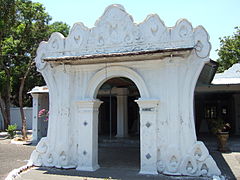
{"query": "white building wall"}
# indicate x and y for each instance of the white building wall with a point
(16, 117)
(165, 74)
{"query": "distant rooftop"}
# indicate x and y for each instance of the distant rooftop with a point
(230, 76)
(39, 89)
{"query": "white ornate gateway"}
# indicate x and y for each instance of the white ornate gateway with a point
(163, 62)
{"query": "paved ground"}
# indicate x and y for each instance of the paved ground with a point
(233, 159)
(117, 167)
(123, 168)
(101, 174)
(12, 156)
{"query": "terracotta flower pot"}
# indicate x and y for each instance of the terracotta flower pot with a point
(222, 139)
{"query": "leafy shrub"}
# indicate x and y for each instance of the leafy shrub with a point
(11, 130)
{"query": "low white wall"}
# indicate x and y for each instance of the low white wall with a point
(16, 117)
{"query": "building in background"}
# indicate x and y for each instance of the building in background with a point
(218, 97)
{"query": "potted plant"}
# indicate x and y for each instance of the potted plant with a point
(221, 129)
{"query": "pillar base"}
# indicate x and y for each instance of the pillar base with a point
(122, 136)
(148, 172)
(88, 168)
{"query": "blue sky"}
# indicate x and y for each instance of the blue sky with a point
(219, 17)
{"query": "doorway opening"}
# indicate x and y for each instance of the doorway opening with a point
(119, 124)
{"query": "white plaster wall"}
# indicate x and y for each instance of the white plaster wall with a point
(39, 124)
(166, 85)
(16, 117)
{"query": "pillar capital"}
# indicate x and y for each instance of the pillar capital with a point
(149, 104)
(121, 91)
(89, 103)
(35, 95)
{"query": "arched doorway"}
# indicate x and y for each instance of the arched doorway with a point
(89, 109)
(164, 66)
(118, 124)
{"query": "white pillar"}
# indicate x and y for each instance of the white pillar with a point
(122, 112)
(87, 116)
(35, 124)
(148, 136)
(39, 125)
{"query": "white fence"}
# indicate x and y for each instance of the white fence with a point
(16, 118)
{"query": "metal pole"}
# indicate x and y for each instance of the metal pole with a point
(110, 115)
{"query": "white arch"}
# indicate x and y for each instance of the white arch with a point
(115, 71)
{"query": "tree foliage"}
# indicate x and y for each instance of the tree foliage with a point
(23, 25)
(7, 18)
(229, 52)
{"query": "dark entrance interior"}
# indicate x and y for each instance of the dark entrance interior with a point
(209, 107)
(107, 124)
(118, 151)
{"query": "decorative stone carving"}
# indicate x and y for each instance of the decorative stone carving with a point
(42, 146)
(172, 160)
(35, 159)
(115, 32)
(148, 156)
(199, 151)
(208, 168)
(160, 166)
(148, 124)
(189, 166)
(201, 41)
(49, 160)
(197, 162)
(62, 158)
(166, 86)
(41, 55)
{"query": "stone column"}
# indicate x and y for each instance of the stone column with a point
(35, 124)
(87, 116)
(122, 112)
(39, 125)
(148, 136)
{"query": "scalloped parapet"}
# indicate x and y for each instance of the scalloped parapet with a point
(115, 32)
(168, 138)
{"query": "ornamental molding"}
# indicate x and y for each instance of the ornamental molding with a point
(116, 32)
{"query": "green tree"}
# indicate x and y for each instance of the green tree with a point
(229, 52)
(7, 18)
(29, 27)
(59, 27)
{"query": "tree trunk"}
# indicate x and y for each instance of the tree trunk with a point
(24, 122)
(3, 111)
(5, 102)
(8, 101)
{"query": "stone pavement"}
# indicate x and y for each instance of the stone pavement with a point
(12, 155)
(124, 165)
(119, 167)
(101, 174)
(233, 159)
